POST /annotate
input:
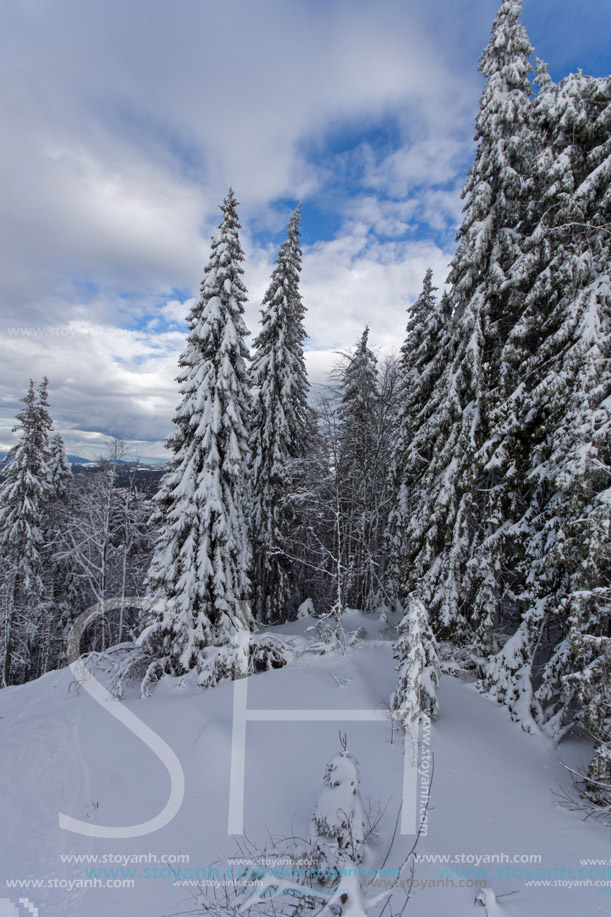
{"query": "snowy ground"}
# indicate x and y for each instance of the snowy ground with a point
(495, 791)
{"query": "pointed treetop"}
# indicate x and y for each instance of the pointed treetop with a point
(425, 303)
(542, 77)
(427, 283)
(362, 357)
(294, 235)
(508, 42)
(229, 208)
(427, 297)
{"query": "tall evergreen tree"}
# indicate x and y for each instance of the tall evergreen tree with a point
(61, 472)
(279, 431)
(198, 580)
(358, 471)
(420, 368)
(302, 413)
(452, 506)
(25, 493)
(60, 572)
(561, 349)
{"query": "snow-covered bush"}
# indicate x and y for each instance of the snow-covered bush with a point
(322, 876)
(268, 651)
(306, 609)
(338, 823)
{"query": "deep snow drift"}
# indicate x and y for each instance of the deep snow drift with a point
(495, 792)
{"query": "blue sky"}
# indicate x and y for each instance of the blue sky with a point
(125, 123)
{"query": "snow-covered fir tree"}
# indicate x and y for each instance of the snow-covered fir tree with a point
(361, 467)
(61, 575)
(61, 472)
(419, 670)
(420, 368)
(450, 509)
(555, 661)
(280, 431)
(198, 580)
(25, 494)
(338, 826)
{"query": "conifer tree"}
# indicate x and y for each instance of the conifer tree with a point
(561, 349)
(419, 671)
(25, 493)
(61, 472)
(420, 368)
(361, 473)
(279, 431)
(338, 828)
(60, 572)
(198, 580)
(451, 511)
(303, 417)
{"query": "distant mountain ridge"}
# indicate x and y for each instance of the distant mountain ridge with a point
(145, 475)
(79, 460)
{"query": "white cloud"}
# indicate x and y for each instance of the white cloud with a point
(124, 124)
(351, 281)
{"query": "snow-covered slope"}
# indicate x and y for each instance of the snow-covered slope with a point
(495, 789)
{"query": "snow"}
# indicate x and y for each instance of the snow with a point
(339, 819)
(495, 788)
(306, 609)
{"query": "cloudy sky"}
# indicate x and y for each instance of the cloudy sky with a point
(123, 123)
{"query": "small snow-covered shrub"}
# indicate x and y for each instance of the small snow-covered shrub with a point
(130, 665)
(331, 636)
(358, 635)
(320, 877)
(338, 823)
(459, 661)
(267, 651)
(306, 609)
(597, 785)
(419, 671)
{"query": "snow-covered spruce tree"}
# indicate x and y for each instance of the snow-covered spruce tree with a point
(61, 472)
(334, 881)
(337, 831)
(455, 504)
(47, 641)
(358, 383)
(25, 493)
(362, 464)
(562, 346)
(280, 430)
(420, 367)
(198, 580)
(301, 410)
(59, 570)
(419, 670)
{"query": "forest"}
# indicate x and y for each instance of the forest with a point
(461, 489)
